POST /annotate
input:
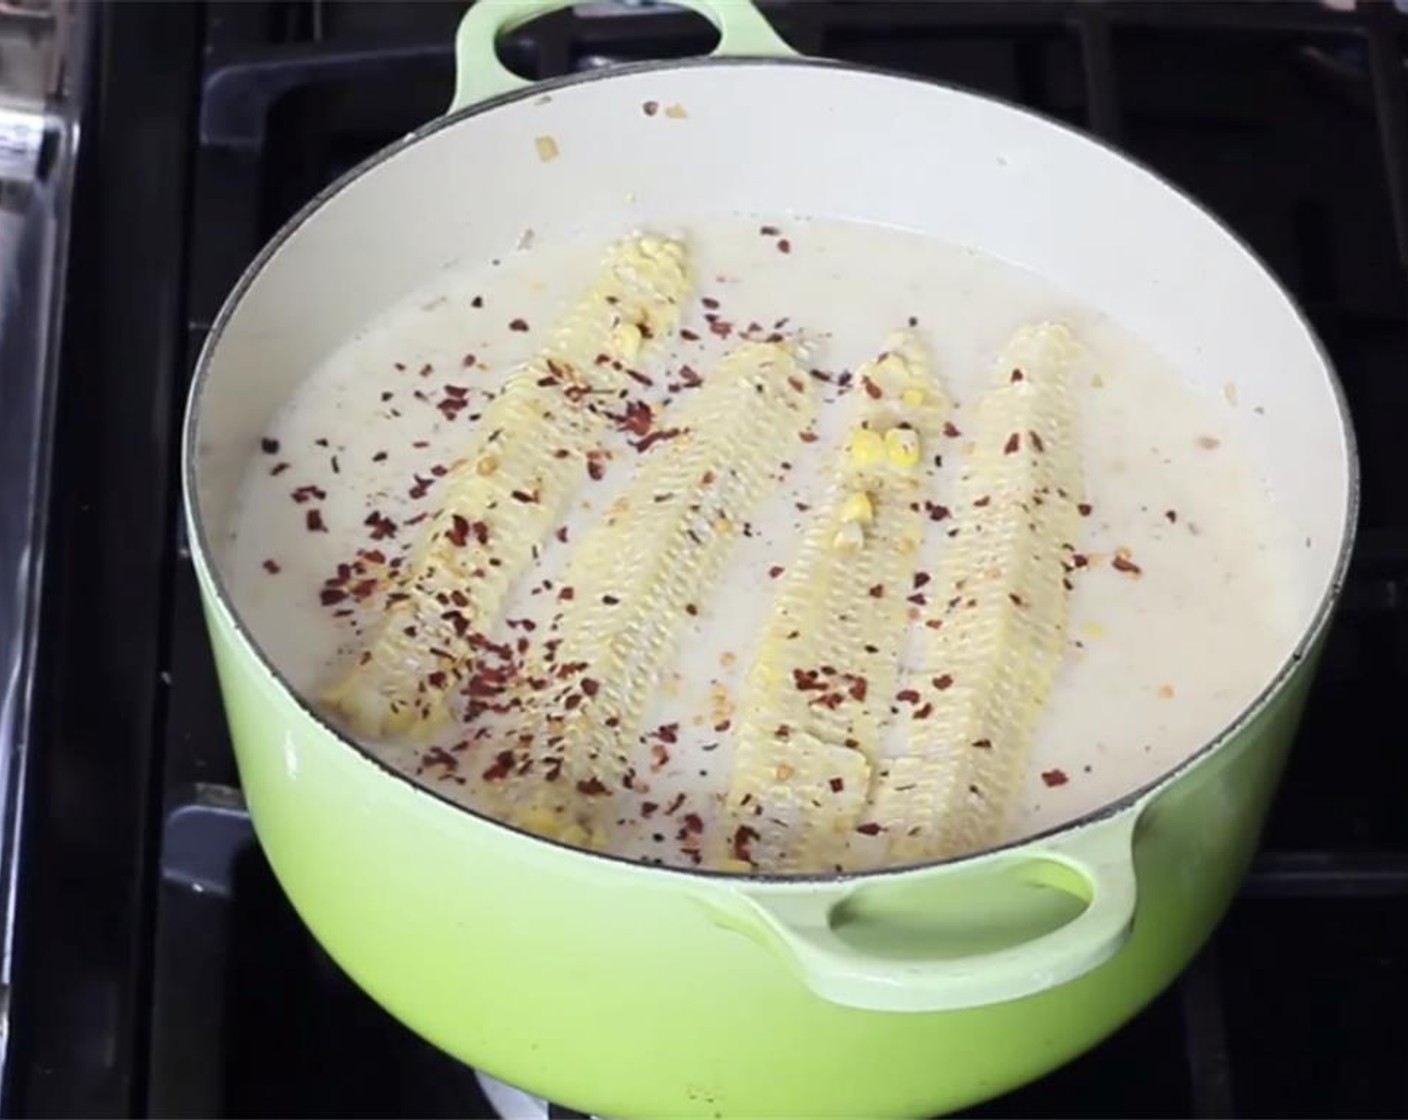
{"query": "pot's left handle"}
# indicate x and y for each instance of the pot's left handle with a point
(479, 74)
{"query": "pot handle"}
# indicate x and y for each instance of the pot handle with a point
(479, 75)
(1095, 865)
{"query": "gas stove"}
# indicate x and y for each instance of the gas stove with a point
(160, 971)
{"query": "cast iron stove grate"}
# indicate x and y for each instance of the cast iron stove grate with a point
(212, 125)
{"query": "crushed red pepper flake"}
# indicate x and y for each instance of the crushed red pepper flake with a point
(330, 596)
(1054, 778)
(775, 571)
(743, 836)
(784, 246)
(595, 471)
(858, 688)
(1013, 444)
(646, 442)
(314, 521)
(650, 108)
(592, 787)
(872, 390)
(1017, 375)
(1171, 515)
(951, 429)
(943, 681)
(270, 446)
(278, 469)
(1124, 562)
(869, 828)
(272, 567)
(1084, 509)
(981, 744)
(307, 493)
(907, 696)
(769, 231)
(1037, 441)
(518, 325)
(458, 532)
(877, 591)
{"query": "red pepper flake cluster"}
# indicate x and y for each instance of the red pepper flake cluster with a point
(455, 401)
(381, 526)
(935, 511)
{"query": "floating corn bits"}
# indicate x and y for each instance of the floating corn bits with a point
(507, 491)
(1000, 604)
(818, 694)
(641, 572)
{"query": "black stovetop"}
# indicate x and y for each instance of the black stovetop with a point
(161, 971)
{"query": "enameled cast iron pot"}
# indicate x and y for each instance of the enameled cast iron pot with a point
(641, 991)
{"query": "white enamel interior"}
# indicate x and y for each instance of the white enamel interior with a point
(809, 140)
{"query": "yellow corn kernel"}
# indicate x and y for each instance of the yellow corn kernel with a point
(627, 339)
(902, 446)
(866, 447)
(913, 397)
(857, 507)
(849, 537)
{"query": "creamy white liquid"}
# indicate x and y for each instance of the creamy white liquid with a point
(1157, 665)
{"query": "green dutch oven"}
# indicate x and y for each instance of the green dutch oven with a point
(636, 991)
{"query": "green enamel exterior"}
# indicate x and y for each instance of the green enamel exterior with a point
(641, 992)
(479, 75)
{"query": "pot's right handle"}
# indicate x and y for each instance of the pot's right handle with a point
(801, 925)
(479, 75)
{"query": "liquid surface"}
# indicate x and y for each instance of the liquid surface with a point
(1159, 659)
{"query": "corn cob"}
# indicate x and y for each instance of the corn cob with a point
(818, 694)
(506, 492)
(1000, 605)
(638, 574)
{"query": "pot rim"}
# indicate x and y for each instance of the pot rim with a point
(202, 553)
